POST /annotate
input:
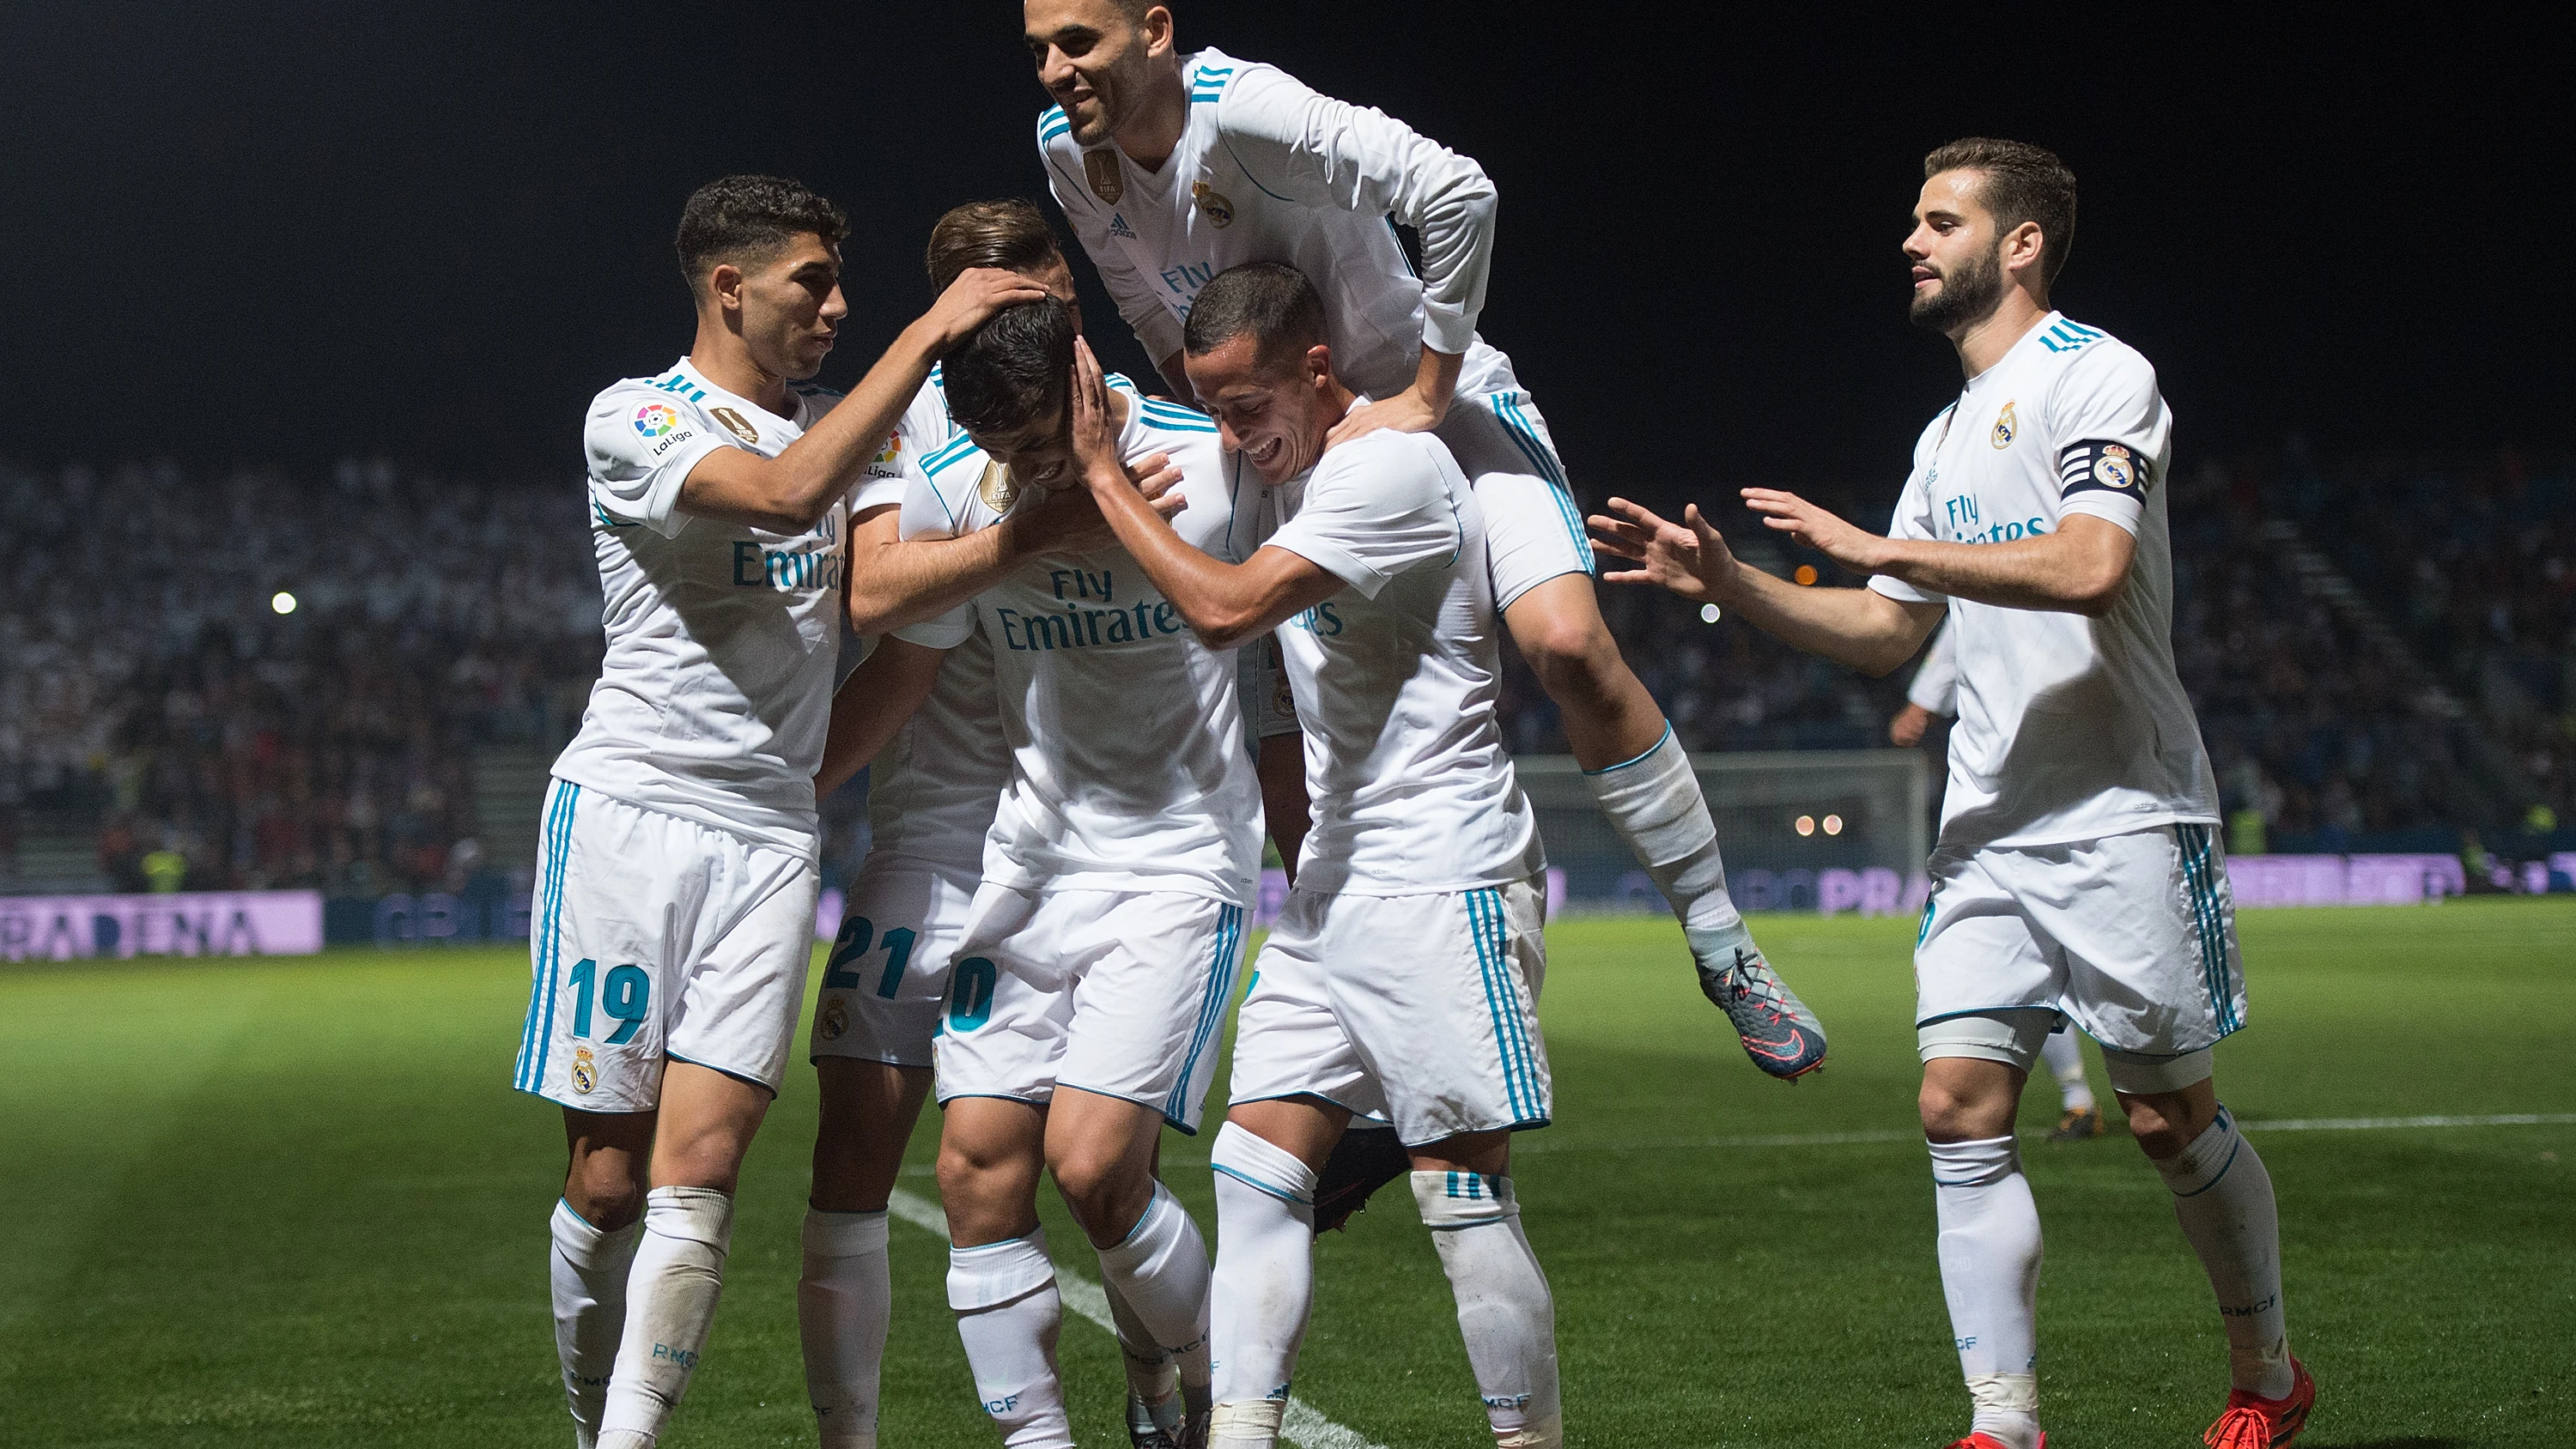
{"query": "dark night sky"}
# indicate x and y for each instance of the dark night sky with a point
(268, 233)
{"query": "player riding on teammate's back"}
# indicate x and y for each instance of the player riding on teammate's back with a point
(1173, 168)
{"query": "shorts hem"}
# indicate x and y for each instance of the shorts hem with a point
(1378, 1123)
(944, 1098)
(1175, 1123)
(744, 1077)
(2062, 1017)
(818, 1058)
(1525, 1124)
(542, 1095)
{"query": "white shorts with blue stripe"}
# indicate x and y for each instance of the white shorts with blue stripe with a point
(1416, 1011)
(1533, 525)
(2131, 937)
(1122, 993)
(654, 938)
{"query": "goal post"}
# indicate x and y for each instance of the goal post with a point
(1802, 830)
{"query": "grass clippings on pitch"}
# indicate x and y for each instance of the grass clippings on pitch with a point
(294, 1203)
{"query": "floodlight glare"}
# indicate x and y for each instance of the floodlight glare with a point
(283, 602)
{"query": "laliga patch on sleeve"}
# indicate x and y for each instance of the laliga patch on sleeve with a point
(2101, 467)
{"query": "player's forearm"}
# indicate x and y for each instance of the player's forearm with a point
(855, 429)
(1858, 627)
(871, 705)
(2078, 570)
(895, 583)
(1213, 597)
(1284, 803)
(1435, 379)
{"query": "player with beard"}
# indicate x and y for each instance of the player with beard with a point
(1174, 167)
(2078, 875)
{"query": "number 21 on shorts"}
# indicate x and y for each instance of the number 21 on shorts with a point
(858, 933)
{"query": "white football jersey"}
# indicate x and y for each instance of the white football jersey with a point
(716, 690)
(1396, 678)
(1269, 170)
(2070, 728)
(1936, 680)
(1128, 768)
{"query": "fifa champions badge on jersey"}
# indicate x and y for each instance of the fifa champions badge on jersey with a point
(654, 420)
(1212, 204)
(2003, 434)
(996, 487)
(835, 1020)
(736, 424)
(2115, 468)
(585, 1072)
(1101, 168)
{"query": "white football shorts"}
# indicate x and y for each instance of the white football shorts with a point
(653, 937)
(887, 976)
(1418, 1011)
(1533, 526)
(2131, 937)
(1115, 992)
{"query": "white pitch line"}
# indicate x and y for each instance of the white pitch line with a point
(1304, 1427)
(1841, 1139)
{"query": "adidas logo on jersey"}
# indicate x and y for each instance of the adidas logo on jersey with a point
(1118, 226)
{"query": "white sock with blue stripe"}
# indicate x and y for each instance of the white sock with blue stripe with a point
(1504, 1309)
(670, 1304)
(1161, 1269)
(1265, 1283)
(1655, 804)
(1009, 1314)
(1990, 1253)
(2223, 1195)
(844, 1306)
(588, 1268)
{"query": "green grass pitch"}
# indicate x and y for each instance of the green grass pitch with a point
(294, 1203)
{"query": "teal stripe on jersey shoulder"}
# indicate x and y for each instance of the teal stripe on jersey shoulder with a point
(1175, 418)
(948, 454)
(1052, 123)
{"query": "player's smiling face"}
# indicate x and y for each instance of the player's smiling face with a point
(1273, 411)
(1095, 63)
(789, 307)
(1039, 453)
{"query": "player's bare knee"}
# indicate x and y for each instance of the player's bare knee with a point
(2161, 1130)
(1106, 1191)
(1952, 1113)
(603, 1191)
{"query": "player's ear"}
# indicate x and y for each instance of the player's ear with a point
(724, 285)
(1319, 364)
(2022, 246)
(1157, 30)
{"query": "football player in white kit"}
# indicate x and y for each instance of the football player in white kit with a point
(1934, 694)
(674, 910)
(1174, 167)
(2077, 876)
(1100, 951)
(928, 725)
(1401, 982)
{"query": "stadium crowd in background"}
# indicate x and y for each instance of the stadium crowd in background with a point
(146, 679)
(153, 676)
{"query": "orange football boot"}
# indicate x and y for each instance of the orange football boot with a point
(2255, 1422)
(1989, 1441)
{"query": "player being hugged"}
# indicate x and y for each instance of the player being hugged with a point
(1099, 954)
(2077, 876)
(1174, 167)
(1401, 983)
(674, 913)
(926, 724)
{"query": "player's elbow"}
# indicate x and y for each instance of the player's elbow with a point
(1227, 629)
(2095, 588)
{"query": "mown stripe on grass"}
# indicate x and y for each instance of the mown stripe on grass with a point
(1304, 1426)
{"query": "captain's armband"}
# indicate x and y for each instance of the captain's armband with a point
(2095, 466)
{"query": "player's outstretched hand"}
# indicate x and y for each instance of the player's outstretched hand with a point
(1406, 412)
(1692, 561)
(975, 296)
(1854, 548)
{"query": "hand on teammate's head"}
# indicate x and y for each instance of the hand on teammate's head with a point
(974, 297)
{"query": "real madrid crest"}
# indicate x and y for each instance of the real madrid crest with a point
(1212, 204)
(2003, 434)
(1107, 182)
(996, 488)
(585, 1072)
(736, 424)
(2115, 468)
(835, 1021)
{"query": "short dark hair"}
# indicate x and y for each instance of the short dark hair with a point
(2022, 183)
(1011, 234)
(1271, 300)
(1016, 367)
(747, 219)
